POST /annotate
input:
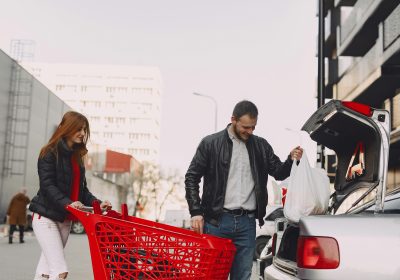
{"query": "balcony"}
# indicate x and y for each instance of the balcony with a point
(328, 4)
(391, 28)
(332, 20)
(354, 80)
(345, 3)
(359, 32)
(376, 75)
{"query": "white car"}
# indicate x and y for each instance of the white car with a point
(362, 242)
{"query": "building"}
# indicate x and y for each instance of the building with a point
(29, 114)
(122, 103)
(111, 175)
(362, 54)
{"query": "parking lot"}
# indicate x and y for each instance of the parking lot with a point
(26, 256)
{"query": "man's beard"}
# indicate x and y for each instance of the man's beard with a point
(237, 132)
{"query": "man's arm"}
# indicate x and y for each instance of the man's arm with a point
(281, 170)
(193, 176)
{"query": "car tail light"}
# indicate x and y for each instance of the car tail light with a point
(273, 249)
(317, 252)
(358, 107)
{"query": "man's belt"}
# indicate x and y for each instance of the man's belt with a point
(239, 212)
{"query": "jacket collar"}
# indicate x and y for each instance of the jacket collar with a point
(63, 148)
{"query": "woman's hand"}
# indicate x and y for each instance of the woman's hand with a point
(105, 205)
(77, 205)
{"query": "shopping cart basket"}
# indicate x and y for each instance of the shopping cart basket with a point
(124, 247)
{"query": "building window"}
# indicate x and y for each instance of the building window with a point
(140, 152)
(139, 136)
(111, 89)
(60, 87)
(94, 119)
(110, 104)
(108, 135)
(119, 120)
(133, 136)
(123, 89)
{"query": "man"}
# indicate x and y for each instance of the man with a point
(234, 165)
(17, 214)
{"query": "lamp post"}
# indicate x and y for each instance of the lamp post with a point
(216, 106)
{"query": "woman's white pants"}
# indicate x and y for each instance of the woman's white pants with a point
(52, 237)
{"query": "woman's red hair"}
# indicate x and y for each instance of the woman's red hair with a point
(70, 124)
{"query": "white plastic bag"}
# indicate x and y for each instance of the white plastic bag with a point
(307, 192)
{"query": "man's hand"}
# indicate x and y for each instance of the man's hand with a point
(296, 153)
(197, 223)
(105, 205)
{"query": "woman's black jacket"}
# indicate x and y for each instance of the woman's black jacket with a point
(55, 178)
(212, 162)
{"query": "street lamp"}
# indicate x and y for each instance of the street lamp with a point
(216, 106)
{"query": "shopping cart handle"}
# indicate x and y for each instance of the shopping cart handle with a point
(89, 209)
(96, 209)
(99, 210)
(86, 208)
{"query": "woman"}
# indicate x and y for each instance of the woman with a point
(62, 183)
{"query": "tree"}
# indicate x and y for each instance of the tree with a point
(173, 180)
(152, 188)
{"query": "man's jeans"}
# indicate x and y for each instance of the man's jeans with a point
(242, 231)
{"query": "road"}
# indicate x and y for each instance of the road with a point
(18, 261)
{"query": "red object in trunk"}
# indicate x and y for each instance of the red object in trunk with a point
(284, 191)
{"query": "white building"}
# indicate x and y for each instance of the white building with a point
(122, 103)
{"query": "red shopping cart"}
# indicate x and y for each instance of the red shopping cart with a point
(124, 247)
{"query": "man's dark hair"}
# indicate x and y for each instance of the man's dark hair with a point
(245, 107)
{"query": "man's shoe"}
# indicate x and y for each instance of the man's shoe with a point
(21, 241)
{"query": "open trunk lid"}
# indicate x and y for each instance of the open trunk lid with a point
(344, 127)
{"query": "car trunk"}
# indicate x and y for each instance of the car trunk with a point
(339, 128)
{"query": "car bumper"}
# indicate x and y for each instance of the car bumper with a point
(272, 273)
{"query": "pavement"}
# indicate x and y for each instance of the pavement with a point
(18, 261)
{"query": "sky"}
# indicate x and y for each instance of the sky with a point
(260, 50)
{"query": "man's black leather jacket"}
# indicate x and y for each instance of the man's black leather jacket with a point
(212, 161)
